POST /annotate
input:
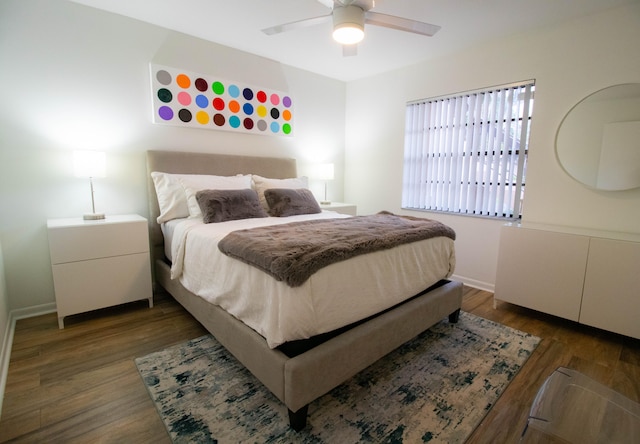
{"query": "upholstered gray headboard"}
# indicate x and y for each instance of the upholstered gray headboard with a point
(206, 163)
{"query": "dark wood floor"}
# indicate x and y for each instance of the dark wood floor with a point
(80, 384)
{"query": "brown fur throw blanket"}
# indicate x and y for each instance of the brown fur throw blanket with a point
(293, 252)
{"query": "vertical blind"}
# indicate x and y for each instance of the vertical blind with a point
(467, 153)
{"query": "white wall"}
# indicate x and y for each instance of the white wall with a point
(4, 324)
(568, 62)
(76, 77)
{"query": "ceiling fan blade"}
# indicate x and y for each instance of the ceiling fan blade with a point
(401, 24)
(297, 24)
(349, 50)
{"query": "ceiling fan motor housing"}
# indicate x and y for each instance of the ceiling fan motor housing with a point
(348, 24)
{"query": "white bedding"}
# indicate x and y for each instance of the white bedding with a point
(168, 228)
(335, 296)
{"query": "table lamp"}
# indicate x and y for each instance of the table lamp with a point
(90, 164)
(325, 171)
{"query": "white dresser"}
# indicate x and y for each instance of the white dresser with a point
(99, 263)
(587, 276)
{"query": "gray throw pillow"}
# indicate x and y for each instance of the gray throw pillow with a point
(225, 205)
(290, 202)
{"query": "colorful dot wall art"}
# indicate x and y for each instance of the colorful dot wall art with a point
(199, 101)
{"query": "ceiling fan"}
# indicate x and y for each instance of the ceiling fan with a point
(349, 17)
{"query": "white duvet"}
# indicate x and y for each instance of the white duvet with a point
(335, 296)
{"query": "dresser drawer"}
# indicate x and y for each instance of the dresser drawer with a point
(94, 240)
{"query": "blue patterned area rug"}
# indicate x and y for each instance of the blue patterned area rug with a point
(435, 388)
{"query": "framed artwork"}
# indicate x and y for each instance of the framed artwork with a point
(194, 100)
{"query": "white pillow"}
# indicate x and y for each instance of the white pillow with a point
(263, 183)
(192, 183)
(171, 198)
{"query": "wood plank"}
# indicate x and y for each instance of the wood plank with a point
(80, 384)
(18, 426)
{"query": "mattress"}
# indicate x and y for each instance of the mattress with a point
(337, 295)
(168, 228)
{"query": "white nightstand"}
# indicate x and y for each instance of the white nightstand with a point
(99, 263)
(340, 207)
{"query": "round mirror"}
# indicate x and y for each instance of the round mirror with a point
(598, 142)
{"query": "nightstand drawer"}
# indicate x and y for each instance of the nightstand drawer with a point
(98, 283)
(93, 240)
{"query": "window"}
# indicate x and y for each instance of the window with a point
(467, 153)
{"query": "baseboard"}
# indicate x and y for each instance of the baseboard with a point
(486, 286)
(5, 351)
(36, 310)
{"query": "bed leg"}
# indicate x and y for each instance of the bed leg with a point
(453, 317)
(298, 420)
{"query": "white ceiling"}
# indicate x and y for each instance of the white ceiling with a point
(237, 24)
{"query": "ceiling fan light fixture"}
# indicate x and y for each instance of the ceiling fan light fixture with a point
(348, 24)
(348, 34)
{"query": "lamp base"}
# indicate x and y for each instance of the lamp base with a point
(93, 216)
(325, 202)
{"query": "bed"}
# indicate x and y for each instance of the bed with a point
(296, 370)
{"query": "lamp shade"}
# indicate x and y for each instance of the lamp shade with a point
(324, 171)
(348, 24)
(89, 163)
